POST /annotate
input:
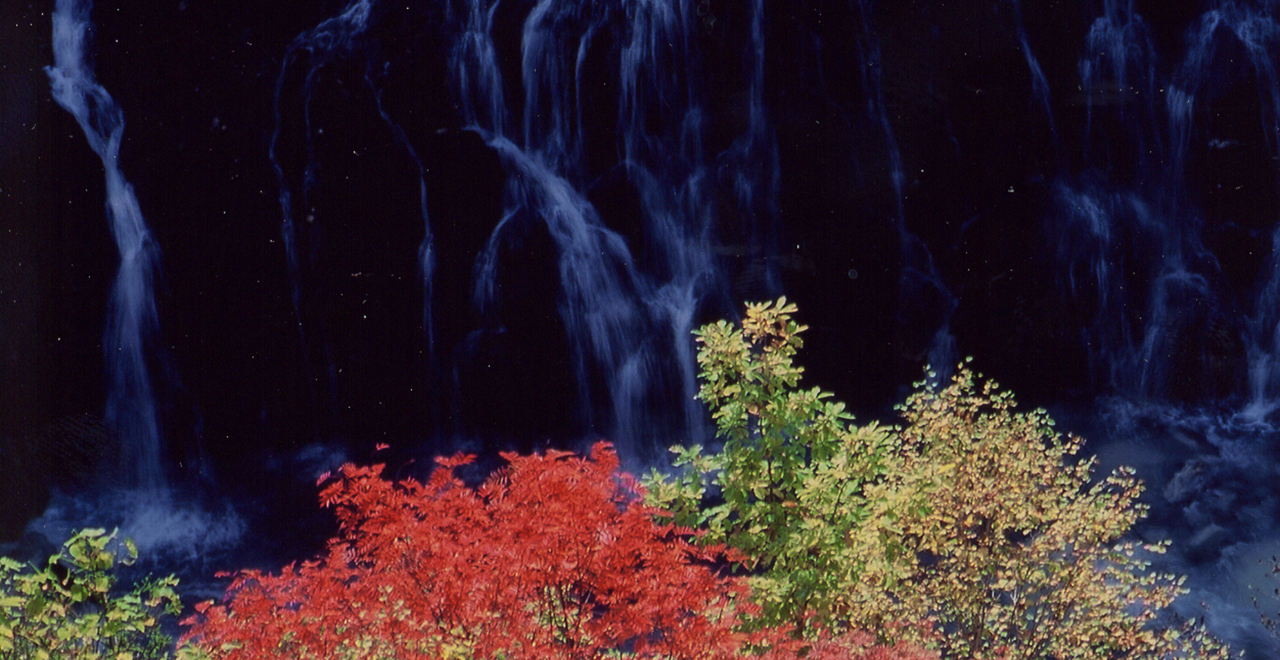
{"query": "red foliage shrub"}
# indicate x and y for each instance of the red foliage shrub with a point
(552, 557)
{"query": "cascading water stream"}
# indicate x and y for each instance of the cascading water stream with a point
(1039, 82)
(610, 304)
(607, 299)
(141, 503)
(132, 321)
(332, 39)
(1132, 242)
(921, 283)
(479, 80)
(1259, 35)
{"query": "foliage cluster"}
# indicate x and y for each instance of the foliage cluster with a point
(552, 557)
(66, 610)
(971, 516)
(972, 530)
(810, 498)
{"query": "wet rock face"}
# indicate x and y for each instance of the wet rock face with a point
(1219, 495)
(28, 492)
(70, 453)
(1191, 480)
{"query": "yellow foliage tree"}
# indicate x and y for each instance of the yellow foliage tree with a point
(1021, 556)
(972, 516)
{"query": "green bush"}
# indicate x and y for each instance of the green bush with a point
(66, 610)
(972, 518)
(812, 499)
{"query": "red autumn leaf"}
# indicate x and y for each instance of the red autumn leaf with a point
(552, 557)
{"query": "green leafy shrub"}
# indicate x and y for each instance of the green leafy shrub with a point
(812, 499)
(972, 516)
(67, 610)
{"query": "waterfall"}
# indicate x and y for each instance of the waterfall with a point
(925, 297)
(1259, 35)
(636, 139)
(1039, 82)
(132, 321)
(1133, 243)
(630, 284)
(486, 225)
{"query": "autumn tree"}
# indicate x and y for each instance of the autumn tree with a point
(972, 516)
(552, 557)
(810, 498)
(1020, 550)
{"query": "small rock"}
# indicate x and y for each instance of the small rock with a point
(1208, 541)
